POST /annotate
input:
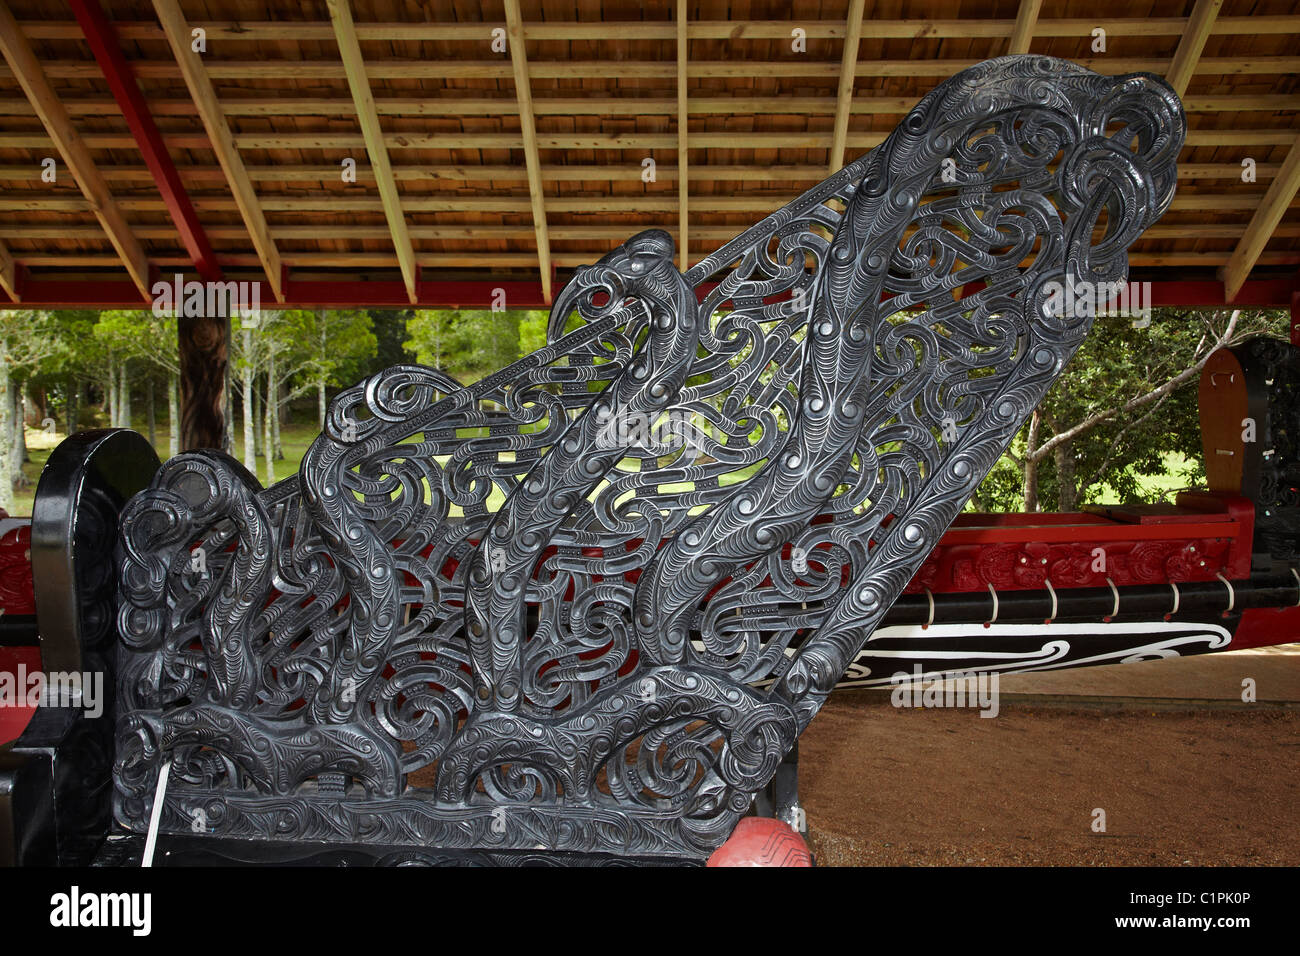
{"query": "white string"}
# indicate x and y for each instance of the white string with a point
(930, 620)
(1114, 611)
(1052, 591)
(994, 618)
(1232, 595)
(1297, 584)
(1178, 599)
(155, 815)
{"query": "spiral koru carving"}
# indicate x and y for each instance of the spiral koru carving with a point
(589, 602)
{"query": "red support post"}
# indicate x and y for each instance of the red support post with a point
(105, 45)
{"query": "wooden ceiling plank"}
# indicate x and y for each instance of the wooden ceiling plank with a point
(1281, 194)
(363, 97)
(734, 30)
(528, 129)
(197, 80)
(64, 136)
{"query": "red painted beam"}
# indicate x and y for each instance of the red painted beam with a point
(432, 294)
(1258, 293)
(122, 294)
(107, 48)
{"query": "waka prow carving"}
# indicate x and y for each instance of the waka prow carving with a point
(525, 613)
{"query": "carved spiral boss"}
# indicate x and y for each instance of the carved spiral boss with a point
(579, 642)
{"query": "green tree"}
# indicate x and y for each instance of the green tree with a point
(466, 344)
(324, 347)
(146, 339)
(1125, 403)
(27, 339)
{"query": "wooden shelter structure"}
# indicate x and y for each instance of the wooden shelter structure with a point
(450, 154)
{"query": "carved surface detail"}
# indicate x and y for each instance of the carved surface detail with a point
(440, 632)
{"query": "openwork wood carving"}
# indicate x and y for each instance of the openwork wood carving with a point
(589, 602)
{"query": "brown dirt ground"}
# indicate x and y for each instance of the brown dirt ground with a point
(889, 786)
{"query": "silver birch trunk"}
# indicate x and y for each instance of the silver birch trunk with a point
(250, 422)
(268, 442)
(173, 415)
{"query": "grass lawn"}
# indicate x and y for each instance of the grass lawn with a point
(295, 437)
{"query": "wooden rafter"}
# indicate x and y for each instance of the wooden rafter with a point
(8, 273)
(528, 129)
(1022, 34)
(350, 51)
(848, 75)
(683, 124)
(177, 31)
(1198, 30)
(1282, 192)
(65, 138)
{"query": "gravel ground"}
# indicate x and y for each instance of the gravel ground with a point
(887, 786)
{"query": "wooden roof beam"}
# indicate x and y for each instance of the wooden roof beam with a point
(848, 75)
(8, 273)
(29, 73)
(1022, 34)
(1281, 193)
(363, 97)
(683, 124)
(528, 129)
(1189, 50)
(177, 31)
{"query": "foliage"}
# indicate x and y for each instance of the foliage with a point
(1120, 427)
(466, 344)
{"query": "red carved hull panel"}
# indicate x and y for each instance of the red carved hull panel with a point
(16, 595)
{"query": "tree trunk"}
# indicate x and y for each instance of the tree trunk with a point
(257, 421)
(276, 446)
(126, 394)
(268, 442)
(227, 400)
(250, 419)
(153, 421)
(110, 394)
(19, 445)
(1031, 463)
(173, 416)
(74, 398)
(320, 383)
(202, 341)
(6, 433)
(1068, 495)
